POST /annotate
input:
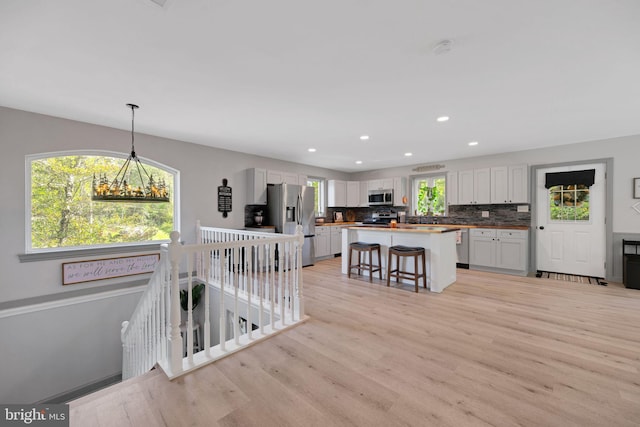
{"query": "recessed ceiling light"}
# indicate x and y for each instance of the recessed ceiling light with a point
(358, 162)
(443, 118)
(408, 154)
(364, 137)
(312, 150)
(472, 143)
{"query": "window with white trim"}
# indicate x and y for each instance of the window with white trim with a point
(61, 214)
(429, 193)
(319, 203)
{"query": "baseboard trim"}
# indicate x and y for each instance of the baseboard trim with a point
(84, 390)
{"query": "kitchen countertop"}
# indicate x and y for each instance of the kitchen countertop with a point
(508, 227)
(407, 228)
(457, 226)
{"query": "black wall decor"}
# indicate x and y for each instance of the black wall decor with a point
(224, 198)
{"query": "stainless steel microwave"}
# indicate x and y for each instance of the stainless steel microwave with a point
(380, 197)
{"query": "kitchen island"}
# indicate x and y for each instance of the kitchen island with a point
(439, 243)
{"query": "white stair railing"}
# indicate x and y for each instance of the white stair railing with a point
(255, 279)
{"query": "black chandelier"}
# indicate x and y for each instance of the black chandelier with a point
(120, 189)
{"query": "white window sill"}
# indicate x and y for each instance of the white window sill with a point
(78, 253)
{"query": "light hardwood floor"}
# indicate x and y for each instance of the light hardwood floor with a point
(490, 350)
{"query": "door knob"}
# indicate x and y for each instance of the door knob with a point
(541, 227)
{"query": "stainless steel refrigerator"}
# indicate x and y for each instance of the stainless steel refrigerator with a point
(291, 205)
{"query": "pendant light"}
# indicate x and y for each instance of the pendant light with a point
(120, 189)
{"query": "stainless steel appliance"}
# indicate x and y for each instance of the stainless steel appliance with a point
(462, 248)
(380, 197)
(291, 205)
(381, 219)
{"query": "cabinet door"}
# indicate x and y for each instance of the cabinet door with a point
(256, 186)
(518, 184)
(500, 184)
(290, 178)
(364, 194)
(465, 187)
(387, 183)
(274, 177)
(322, 246)
(482, 186)
(302, 179)
(512, 249)
(353, 193)
(375, 184)
(336, 240)
(512, 254)
(452, 188)
(399, 191)
(336, 193)
(482, 251)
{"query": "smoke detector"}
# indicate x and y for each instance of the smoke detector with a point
(443, 47)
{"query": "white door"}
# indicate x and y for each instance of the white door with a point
(570, 237)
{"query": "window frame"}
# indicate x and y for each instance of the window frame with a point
(322, 189)
(415, 179)
(99, 248)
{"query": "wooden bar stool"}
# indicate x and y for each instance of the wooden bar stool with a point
(407, 251)
(361, 247)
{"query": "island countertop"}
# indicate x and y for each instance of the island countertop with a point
(408, 228)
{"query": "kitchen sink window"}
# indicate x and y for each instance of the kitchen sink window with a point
(429, 195)
(319, 203)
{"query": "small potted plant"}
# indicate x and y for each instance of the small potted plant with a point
(196, 295)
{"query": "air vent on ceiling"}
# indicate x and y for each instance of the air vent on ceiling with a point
(428, 168)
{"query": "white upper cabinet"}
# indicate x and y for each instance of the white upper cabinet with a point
(290, 178)
(482, 186)
(256, 186)
(465, 187)
(509, 184)
(452, 188)
(364, 194)
(279, 177)
(381, 184)
(518, 184)
(336, 193)
(275, 177)
(500, 184)
(400, 191)
(353, 193)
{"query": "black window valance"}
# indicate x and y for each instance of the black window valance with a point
(585, 177)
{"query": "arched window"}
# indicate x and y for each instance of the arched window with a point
(61, 214)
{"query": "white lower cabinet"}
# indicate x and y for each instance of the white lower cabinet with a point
(322, 241)
(501, 250)
(336, 239)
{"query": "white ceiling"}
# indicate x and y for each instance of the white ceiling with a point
(276, 77)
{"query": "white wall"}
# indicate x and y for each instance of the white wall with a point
(53, 351)
(625, 152)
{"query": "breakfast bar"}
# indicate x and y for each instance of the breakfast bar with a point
(439, 243)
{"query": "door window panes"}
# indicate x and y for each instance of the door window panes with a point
(569, 203)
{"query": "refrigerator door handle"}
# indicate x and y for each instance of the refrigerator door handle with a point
(299, 210)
